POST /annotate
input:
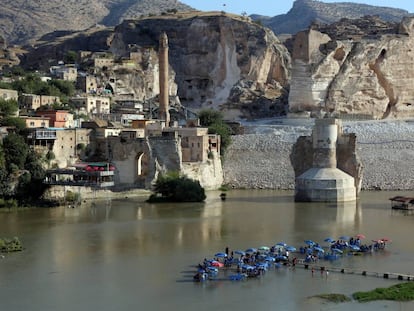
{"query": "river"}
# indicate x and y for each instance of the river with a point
(125, 254)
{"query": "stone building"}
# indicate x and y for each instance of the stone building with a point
(64, 72)
(36, 121)
(58, 118)
(87, 84)
(33, 101)
(7, 94)
(92, 104)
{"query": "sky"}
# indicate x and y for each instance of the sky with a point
(276, 7)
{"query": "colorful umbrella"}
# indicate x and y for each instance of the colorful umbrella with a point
(239, 252)
(251, 250)
(329, 240)
(319, 249)
(264, 248)
(354, 247)
(215, 263)
(220, 255)
(360, 236)
(309, 242)
(290, 248)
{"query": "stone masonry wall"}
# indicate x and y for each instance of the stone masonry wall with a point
(261, 160)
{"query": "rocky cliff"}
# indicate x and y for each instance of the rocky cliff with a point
(365, 74)
(234, 63)
(305, 12)
(23, 21)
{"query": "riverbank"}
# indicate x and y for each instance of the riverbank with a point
(58, 193)
(260, 159)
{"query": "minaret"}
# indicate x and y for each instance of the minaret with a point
(163, 112)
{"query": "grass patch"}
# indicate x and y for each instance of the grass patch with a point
(337, 298)
(398, 292)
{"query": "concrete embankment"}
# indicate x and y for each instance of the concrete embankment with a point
(260, 159)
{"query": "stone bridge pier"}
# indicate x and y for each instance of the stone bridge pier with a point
(319, 179)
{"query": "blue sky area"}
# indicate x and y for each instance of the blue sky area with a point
(276, 7)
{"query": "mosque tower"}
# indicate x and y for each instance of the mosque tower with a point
(163, 111)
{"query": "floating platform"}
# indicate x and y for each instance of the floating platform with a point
(402, 203)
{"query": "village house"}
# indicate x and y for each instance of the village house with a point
(58, 118)
(64, 72)
(33, 101)
(127, 110)
(36, 121)
(7, 94)
(67, 144)
(92, 104)
(87, 83)
(196, 143)
(102, 61)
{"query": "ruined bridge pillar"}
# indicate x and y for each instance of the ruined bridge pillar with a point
(324, 181)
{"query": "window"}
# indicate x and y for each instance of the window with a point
(32, 123)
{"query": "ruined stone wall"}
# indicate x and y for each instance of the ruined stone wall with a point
(262, 160)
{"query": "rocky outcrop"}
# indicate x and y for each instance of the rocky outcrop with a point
(8, 54)
(305, 12)
(23, 21)
(234, 59)
(236, 65)
(366, 76)
(209, 174)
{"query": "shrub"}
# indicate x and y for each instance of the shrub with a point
(174, 188)
(72, 197)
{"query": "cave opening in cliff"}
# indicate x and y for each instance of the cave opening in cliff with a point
(382, 55)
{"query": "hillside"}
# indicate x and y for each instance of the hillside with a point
(23, 21)
(305, 12)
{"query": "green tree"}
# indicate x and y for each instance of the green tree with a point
(8, 107)
(15, 151)
(214, 121)
(175, 188)
(65, 87)
(208, 117)
(71, 57)
(31, 187)
(16, 122)
(224, 131)
(30, 84)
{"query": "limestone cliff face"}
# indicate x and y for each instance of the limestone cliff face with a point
(370, 76)
(218, 59)
(209, 174)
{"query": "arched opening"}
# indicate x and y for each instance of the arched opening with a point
(141, 165)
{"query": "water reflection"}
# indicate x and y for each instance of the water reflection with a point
(334, 219)
(128, 252)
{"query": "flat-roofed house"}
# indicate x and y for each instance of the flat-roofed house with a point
(7, 94)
